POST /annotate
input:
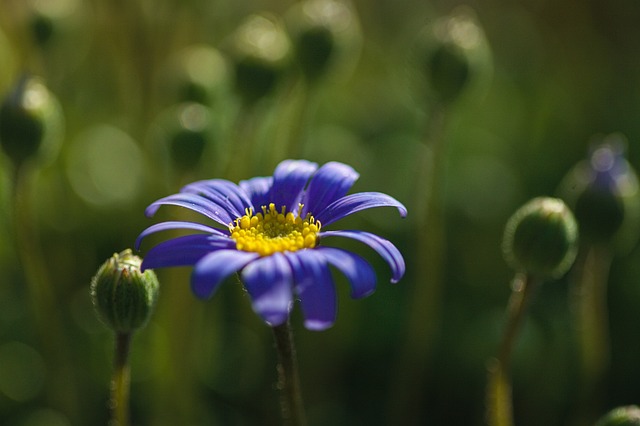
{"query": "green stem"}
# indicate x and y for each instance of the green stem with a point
(425, 295)
(121, 381)
(499, 404)
(288, 379)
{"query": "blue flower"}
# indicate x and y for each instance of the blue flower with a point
(273, 232)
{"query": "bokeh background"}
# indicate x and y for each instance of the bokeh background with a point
(154, 94)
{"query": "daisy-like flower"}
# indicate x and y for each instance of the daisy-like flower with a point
(273, 232)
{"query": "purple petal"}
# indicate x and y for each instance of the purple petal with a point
(314, 285)
(212, 269)
(196, 203)
(269, 283)
(359, 272)
(289, 180)
(165, 226)
(184, 251)
(221, 192)
(383, 247)
(258, 189)
(332, 181)
(356, 202)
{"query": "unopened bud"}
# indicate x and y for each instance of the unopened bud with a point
(541, 238)
(123, 296)
(260, 51)
(30, 121)
(621, 416)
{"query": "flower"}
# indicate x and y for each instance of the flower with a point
(273, 230)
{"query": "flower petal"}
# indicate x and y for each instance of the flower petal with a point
(356, 202)
(383, 247)
(196, 203)
(165, 226)
(289, 180)
(359, 272)
(185, 250)
(314, 285)
(258, 189)
(269, 283)
(212, 269)
(332, 181)
(221, 192)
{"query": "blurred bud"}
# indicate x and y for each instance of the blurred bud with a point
(196, 74)
(123, 296)
(541, 238)
(451, 52)
(321, 32)
(259, 50)
(30, 121)
(185, 131)
(621, 416)
(50, 18)
(603, 193)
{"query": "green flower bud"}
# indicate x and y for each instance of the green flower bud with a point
(603, 193)
(199, 73)
(450, 53)
(541, 238)
(260, 53)
(123, 296)
(321, 31)
(621, 416)
(183, 132)
(30, 121)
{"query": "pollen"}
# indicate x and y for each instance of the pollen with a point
(272, 231)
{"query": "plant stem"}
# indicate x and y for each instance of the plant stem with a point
(121, 381)
(499, 405)
(288, 378)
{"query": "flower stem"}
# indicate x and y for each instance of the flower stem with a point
(288, 379)
(121, 381)
(499, 405)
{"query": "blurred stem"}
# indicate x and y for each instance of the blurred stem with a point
(288, 379)
(242, 149)
(120, 384)
(45, 309)
(499, 410)
(589, 303)
(424, 300)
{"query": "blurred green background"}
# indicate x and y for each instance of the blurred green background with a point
(155, 94)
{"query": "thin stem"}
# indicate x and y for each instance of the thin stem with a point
(499, 402)
(288, 379)
(121, 381)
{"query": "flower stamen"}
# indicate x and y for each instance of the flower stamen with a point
(272, 231)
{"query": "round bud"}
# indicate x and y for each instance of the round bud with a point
(123, 296)
(259, 50)
(183, 133)
(449, 54)
(603, 193)
(541, 238)
(621, 416)
(30, 121)
(321, 31)
(198, 73)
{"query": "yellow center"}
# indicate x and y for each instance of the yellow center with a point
(272, 231)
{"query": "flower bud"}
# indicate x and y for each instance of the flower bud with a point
(260, 52)
(621, 416)
(321, 31)
(123, 296)
(198, 73)
(184, 132)
(30, 121)
(603, 193)
(541, 238)
(450, 53)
